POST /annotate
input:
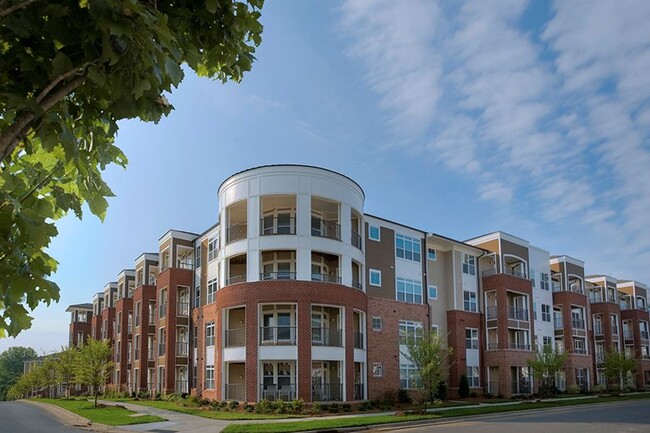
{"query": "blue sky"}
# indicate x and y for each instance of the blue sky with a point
(455, 117)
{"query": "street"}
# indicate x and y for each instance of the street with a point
(625, 417)
(16, 417)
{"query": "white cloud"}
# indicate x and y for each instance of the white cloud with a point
(560, 119)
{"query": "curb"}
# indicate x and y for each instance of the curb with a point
(71, 419)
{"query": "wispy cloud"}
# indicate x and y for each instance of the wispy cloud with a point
(557, 117)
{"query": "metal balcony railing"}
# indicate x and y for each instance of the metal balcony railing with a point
(355, 239)
(326, 278)
(183, 309)
(325, 229)
(286, 392)
(515, 313)
(236, 337)
(358, 340)
(625, 306)
(579, 350)
(184, 264)
(595, 298)
(515, 273)
(282, 275)
(236, 232)
(556, 287)
(278, 335)
(521, 388)
(578, 323)
(491, 313)
(236, 391)
(236, 279)
(518, 346)
(326, 392)
(326, 337)
(277, 226)
(493, 346)
(357, 284)
(182, 348)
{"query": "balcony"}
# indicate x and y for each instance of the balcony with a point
(236, 232)
(357, 284)
(515, 313)
(625, 306)
(181, 387)
(600, 358)
(237, 279)
(326, 337)
(491, 313)
(235, 337)
(274, 392)
(595, 298)
(358, 340)
(518, 346)
(184, 264)
(326, 278)
(183, 309)
(182, 348)
(556, 287)
(558, 323)
(578, 323)
(161, 349)
(628, 334)
(236, 391)
(325, 229)
(356, 239)
(280, 225)
(278, 335)
(493, 346)
(281, 275)
(579, 350)
(327, 392)
(598, 329)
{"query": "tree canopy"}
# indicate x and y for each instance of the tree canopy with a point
(69, 71)
(94, 365)
(12, 362)
(547, 362)
(618, 367)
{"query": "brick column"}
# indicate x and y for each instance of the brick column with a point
(304, 350)
(252, 341)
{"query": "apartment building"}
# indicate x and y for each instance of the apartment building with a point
(80, 323)
(634, 321)
(296, 292)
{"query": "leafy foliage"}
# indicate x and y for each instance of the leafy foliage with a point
(463, 387)
(66, 366)
(94, 365)
(430, 356)
(617, 367)
(69, 71)
(12, 363)
(547, 362)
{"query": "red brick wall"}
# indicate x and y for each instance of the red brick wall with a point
(457, 322)
(123, 305)
(142, 294)
(76, 327)
(383, 346)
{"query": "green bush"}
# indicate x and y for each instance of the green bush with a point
(317, 407)
(264, 406)
(366, 405)
(346, 407)
(463, 387)
(297, 405)
(573, 389)
(599, 389)
(281, 407)
(403, 397)
(249, 408)
(233, 405)
(333, 408)
(441, 391)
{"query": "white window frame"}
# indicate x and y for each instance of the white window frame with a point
(377, 320)
(433, 257)
(377, 369)
(209, 334)
(409, 329)
(433, 290)
(376, 272)
(544, 281)
(468, 264)
(473, 379)
(410, 288)
(209, 377)
(471, 342)
(415, 251)
(212, 291)
(408, 376)
(370, 229)
(213, 249)
(546, 315)
(470, 301)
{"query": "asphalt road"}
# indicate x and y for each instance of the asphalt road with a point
(18, 417)
(624, 417)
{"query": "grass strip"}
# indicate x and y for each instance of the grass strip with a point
(208, 413)
(109, 415)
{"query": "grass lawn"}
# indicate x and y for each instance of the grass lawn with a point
(325, 423)
(206, 413)
(332, 423)
(109, 415)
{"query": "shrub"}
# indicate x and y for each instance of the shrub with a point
(630, 388)
(403, 397)
(599, 389)
(297, 405)
(573, 389)
(233, 405)
(346, 407)
(441, 391)
(249, 408)
(264, 406)
(473, 394)
(463, 387)
(390, 398)
(281, 407)
(317, 407)
(333, 408)
(366, 405)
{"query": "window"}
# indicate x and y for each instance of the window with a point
(197, 258)
(197, 296)
(409, 291)
(546, 313)
(209, 334)
(544, 281)
(408, 376)
(431, 254)
(548, 341)
(375, 277)
(471, 338)
(377, 323)
(374, 233)
(209, 377)
(469, 264)
(473, 376)
(212, 248)
(212, 291)
(614, 319)
(435, 328)
(533, 278)
(407, 247)
(377, 369)
(469, 301)
(409, 330)
(433, 292)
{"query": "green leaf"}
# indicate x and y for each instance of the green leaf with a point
(60, 64)
(211, 5)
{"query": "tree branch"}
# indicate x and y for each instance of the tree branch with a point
(14, 8)
(72, 72)
(23, 123)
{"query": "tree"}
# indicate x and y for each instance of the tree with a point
(547, 362)
(69, 71)
(463, 387)
(618, 366)
(65, 367)
(429, 354)
(12, 365)
(94, 365)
